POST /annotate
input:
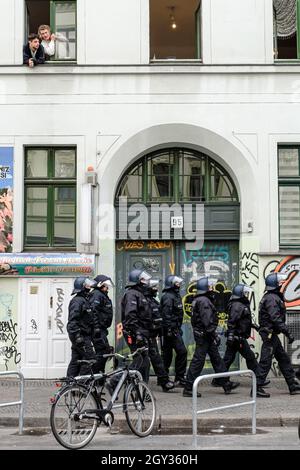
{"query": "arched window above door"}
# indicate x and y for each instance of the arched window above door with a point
(177, 175)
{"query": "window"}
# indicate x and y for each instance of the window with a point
(60, 15)
(177, 175)
(50, 198)
(286, 21)
(175, 29)
(289, 195)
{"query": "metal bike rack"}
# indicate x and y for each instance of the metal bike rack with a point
(235, 405)
(19, 403)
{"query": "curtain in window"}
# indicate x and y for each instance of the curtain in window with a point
(285, 18)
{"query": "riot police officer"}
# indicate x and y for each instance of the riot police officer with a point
(154, 333)
(239, 330)
(103, 311)
(80, 327)
(204, 322)
(272, 316)
(172, 315)
(137, 318)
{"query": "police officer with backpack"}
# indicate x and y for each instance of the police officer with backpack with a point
(204, 321)
(272, 317)
(172, 315)
(103, 311)
(80, 327)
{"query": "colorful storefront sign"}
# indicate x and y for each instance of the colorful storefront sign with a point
(43, 264)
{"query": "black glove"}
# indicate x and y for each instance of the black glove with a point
(97, 333)
(79, 340)
(217, 340)
(140, 340)
(230, 339)
(290, 338)
(198, 334)
(169, 332)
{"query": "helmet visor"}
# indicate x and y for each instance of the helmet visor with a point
(145, 277)
(108, 283)
(177, 280)
(211, 282)
(281, 278)
(153, 283)
(89, 283)
(247, 291)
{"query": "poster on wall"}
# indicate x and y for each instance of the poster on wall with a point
(6, 199)
(10, 355)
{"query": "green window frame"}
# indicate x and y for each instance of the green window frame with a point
(216, 185)
(289, 195)
(297, 35)
(53, 24)
(50, 199)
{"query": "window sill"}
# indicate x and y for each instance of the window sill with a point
(44, 249)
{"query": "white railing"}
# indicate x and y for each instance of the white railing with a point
(235, 405)
(20, 403)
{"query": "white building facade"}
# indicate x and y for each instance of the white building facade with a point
(129, 110)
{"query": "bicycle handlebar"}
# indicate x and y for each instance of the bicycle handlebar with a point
(131, 355)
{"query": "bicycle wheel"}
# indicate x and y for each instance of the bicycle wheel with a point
(140, 408)
(68, 429)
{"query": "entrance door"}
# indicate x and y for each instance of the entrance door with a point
(150, 256)
(45, 344)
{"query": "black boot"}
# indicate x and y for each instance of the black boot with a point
(167, 386)
(189, 393)
(229, 386)
(215, 383)
(298, 374)
(260, 392)
(294, 389)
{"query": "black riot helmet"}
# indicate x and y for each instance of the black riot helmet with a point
(274, 280)
(172, 282)
(138, 276)
(103, 280)
(81, 284)
(204, 284)
(241, 290)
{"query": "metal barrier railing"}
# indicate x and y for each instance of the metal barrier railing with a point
(235, 405)
(21, 402)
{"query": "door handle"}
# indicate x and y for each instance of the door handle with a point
(49, 323)
(51, 301)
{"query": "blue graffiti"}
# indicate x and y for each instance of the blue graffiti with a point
(216, 252)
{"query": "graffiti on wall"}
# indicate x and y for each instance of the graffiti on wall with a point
(9, 354)
(289, 265)
(59, 309)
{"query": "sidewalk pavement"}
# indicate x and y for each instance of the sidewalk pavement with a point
(174, 412)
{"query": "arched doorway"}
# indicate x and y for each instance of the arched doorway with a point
(188, 178)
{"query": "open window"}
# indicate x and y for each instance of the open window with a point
(60, 15)
(175, 30)
(286, 29)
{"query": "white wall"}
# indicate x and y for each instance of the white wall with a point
(11, 31)
(115, 31)
(237, 31)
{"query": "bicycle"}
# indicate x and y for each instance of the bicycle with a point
(78, 409)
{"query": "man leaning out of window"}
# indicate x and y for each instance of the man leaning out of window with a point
(33, 51)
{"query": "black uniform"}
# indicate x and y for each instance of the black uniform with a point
(80, 328)
(155, 331)
(137, 323)
(103, 311)
(204, 321)
(172, 315)
(239, 330)
(272, 315)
